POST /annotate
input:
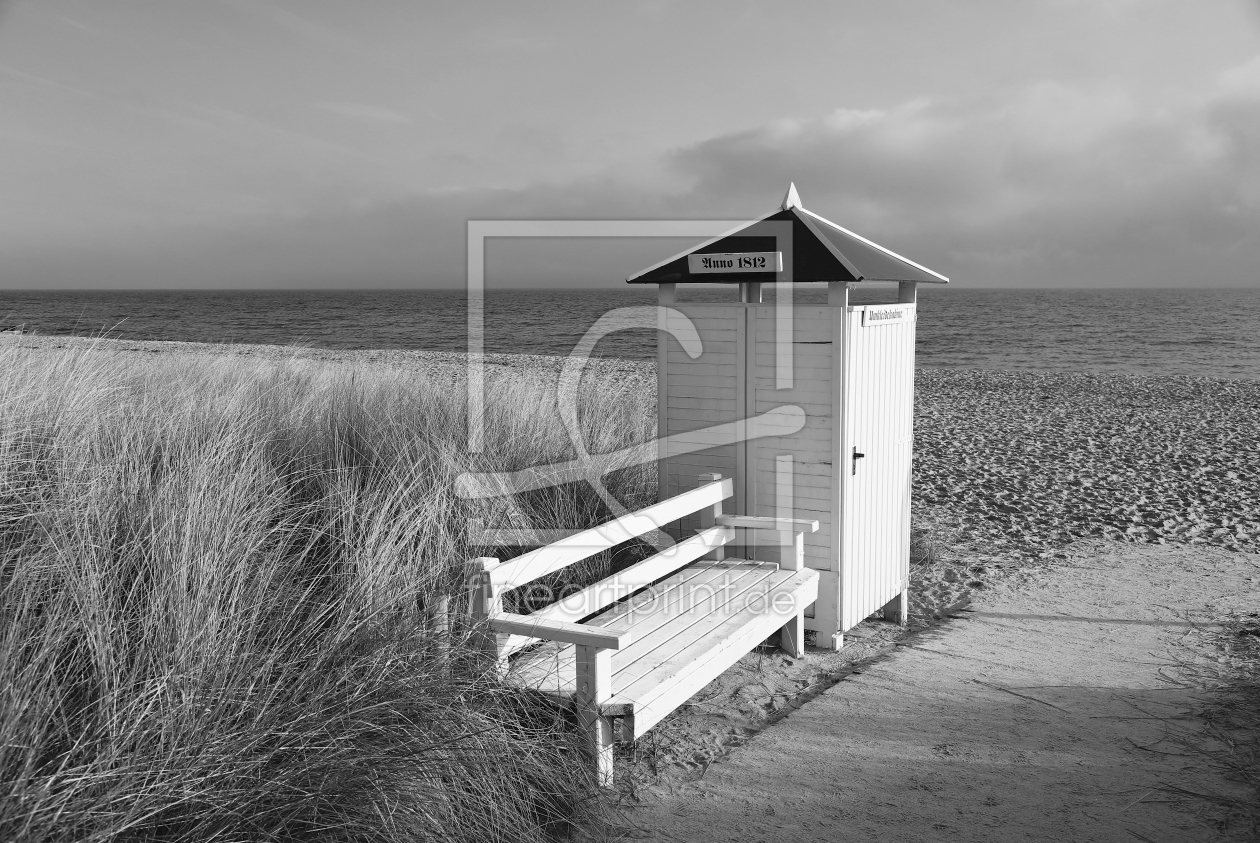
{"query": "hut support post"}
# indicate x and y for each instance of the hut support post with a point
(837, 294)
(827, 612)
(666, 296)
(750, 292)
(895, 610)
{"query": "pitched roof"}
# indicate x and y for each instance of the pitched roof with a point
(819, 250)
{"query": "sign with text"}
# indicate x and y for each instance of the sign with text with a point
(886, 314)
(727, 262)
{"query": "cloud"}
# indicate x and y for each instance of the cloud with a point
(1051, 185)
(362, 111)
(1242, 81)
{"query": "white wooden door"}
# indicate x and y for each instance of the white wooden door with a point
(876, 453)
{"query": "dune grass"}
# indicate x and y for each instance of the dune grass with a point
(215, 589)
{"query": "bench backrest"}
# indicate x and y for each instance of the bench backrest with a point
(553, 557)
(489, 579)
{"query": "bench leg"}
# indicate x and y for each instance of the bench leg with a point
(792, 636)
(598, 734)
(895, 610)
(594, 686)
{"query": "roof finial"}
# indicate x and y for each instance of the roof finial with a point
(792, 199)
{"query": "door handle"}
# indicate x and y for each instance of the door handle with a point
(856, 456)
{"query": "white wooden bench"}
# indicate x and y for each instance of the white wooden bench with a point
(636, 645)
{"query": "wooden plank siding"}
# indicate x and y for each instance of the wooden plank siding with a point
(855, 387)
(698, 393)
(810, 388)
(737, 376)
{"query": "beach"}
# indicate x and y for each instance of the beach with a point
(1035, 461)
(1048, 709)
(1025, 483)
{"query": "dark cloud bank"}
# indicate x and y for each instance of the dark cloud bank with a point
(1054, 187)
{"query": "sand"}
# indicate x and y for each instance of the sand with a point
(1023, 462)
(1041, 714)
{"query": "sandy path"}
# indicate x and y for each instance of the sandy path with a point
(922, 745)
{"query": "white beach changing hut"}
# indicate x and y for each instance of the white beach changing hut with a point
(808, 407)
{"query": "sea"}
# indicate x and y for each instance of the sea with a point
(1205, 332)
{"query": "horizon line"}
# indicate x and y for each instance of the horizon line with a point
(600, 288)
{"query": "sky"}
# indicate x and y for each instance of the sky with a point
(313, 143)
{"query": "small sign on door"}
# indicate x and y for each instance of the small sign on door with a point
(886, 314)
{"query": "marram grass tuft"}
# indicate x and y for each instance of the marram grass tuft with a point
(216, 591)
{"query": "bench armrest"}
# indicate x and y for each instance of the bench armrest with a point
(763, 522)
(564, 631)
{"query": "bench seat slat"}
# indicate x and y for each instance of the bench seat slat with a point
(550, 668)
(676, 627)
(656, 694)
(673, 655)
(682, 637)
